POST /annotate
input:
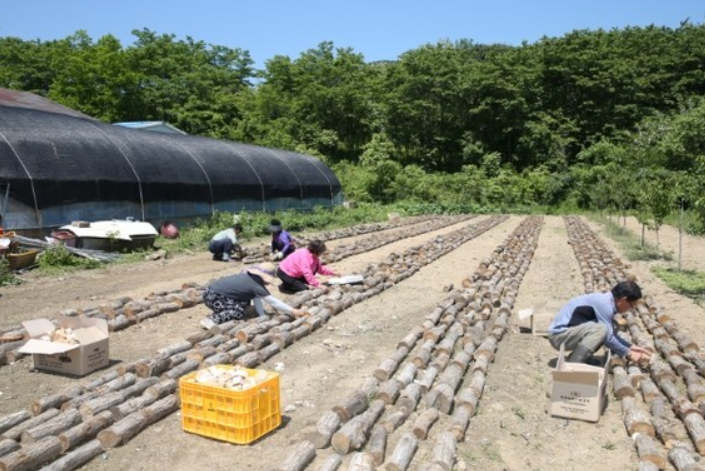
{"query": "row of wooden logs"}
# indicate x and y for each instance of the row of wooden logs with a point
(261, 252)
(117, 391)
(125, 311)
(369, 243)
(422, 380)
(667, 414)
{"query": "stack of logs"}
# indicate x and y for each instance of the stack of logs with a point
(121, 403)
(125, 311)
(436, 375)
(666, 419)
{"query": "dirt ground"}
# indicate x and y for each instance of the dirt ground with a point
(511, 431)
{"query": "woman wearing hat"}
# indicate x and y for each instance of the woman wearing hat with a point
(228, 297)
(282, 242)
(298, 272)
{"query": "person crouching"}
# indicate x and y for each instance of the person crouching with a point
(229, 296)
(298, 271)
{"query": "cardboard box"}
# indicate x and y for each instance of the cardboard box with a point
(90, 354)
(579, 390)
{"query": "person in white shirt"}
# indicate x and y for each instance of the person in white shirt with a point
(225, 243)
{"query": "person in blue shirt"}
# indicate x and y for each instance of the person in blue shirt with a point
(282, 242)
(585, 323)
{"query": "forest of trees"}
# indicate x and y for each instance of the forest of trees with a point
(591, 120)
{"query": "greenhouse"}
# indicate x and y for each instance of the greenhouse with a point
(56, 168)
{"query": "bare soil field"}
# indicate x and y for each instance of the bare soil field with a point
(511, 430)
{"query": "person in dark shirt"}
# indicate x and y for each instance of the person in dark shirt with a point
(282, 242)
(584, 324)
(229, 296)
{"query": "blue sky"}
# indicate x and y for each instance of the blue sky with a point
(377, 29)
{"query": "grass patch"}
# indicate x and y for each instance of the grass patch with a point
(629, 242)
(689, 283)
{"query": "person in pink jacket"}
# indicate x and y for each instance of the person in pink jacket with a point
(298, 271)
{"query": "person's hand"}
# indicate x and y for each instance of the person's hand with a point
(300, 313)
(638, 354)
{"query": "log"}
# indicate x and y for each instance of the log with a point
(395, 419)
(54, 426)
(647, 450)
(31, 456)
(101, 380)
(467, 399)
(621, 383)
(163, 388)
(444, 450)
(16, 432)
(76, 458)
(139, 387)
(427, 378)
(133, 405)
(178, 371)
(441, 397)
(332, 463)
(55, 400)
(389, 365)
(637, 421)
(477, 383)
(7, 445)
(377, 444)
(459, 422)
(353, 435)
(389, 391)
(403, 453)
(424, 422)
(695, 425)
(85, 431)
(100, 404)
(410, 397)
(361, 462)
(300, 456)
(683, 459)
(649, 390)
(160, 409)
(324, 430)
(9, 421)
(355, 403)
(122, 431)
(664, 431)
(153, 367)
(406, 374)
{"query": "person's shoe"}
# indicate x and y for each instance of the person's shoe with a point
(581, 354)
(226, 257)
(217, 258)
(208, 323)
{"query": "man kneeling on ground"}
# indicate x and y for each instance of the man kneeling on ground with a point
(584, 324)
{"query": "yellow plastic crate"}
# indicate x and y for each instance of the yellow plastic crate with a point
(232, 416)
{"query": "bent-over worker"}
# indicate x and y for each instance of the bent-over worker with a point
(228, 297)
(298, 271)
(225, 243)
(584, 324)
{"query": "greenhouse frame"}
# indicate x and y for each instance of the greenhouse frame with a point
(56, 168)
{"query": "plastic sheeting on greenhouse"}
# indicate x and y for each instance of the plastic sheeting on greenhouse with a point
(56, 168)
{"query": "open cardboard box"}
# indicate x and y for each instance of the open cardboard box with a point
(579, 390)
(90, 354)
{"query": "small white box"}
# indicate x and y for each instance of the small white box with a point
(91, 353)
(579, 390)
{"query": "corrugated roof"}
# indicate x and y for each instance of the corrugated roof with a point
(32, 101)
